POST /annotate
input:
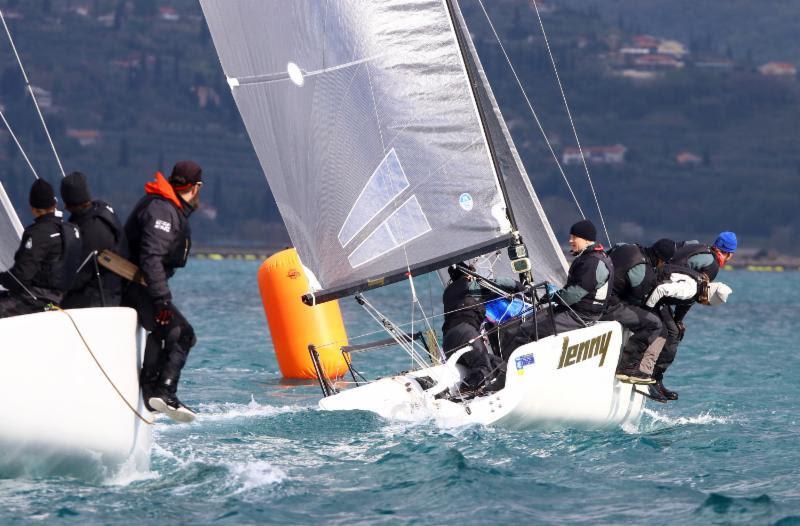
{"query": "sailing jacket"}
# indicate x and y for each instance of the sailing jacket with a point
(45, 263)
(100, 230)
(678, 285)
(635, 276)
(587, 288)
(699, 258)
(159, 237)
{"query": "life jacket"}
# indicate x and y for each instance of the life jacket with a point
(461, 305)
(105, 213)
(595, 301)
(66, 269)
(624, 258)
(688, 250)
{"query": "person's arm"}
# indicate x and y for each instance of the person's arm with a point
(591, 275)
(679, 287)
(680, 312)
(158, 233)
(26, 264)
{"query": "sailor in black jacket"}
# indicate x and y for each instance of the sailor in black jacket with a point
(100, 230)
(635, 277)
(45, 261)
(159, 241)
(583, 298)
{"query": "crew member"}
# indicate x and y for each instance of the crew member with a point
(678, 286)
(100, 230)
(159, 241)
(464, 306)
(635, 277)
(700, 258)
(584, 297)
(46, 260)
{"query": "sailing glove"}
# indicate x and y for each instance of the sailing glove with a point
(163, 312)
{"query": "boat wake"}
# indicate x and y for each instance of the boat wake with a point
(654, 421)
(216, 412)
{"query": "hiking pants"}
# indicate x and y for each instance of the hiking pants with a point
(645, 326)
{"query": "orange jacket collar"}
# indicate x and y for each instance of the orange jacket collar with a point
(162, 187)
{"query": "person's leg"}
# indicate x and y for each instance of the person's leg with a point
(179, 340)
(11, 305)
(671, 335)
(477, 360)
(137, 298)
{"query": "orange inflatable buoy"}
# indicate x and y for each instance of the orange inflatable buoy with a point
(294, 325)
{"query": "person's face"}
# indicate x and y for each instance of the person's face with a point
(577, 244)
(194, 195)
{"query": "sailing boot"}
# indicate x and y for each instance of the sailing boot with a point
(148, 380)
(166, 401)
(655, 394)
(670, 395)
(632, 375)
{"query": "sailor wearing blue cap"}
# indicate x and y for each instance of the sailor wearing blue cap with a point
(698, 257)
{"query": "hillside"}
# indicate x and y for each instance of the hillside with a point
(134, 86)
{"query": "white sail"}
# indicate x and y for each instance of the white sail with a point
(367, 128)
(10, 231)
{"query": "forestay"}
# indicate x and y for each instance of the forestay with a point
(364, 121)
(546, 255)
(10, 231)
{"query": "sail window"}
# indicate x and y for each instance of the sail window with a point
(295, 74)
(406, 224)
(384, 185)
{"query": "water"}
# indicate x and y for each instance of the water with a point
(261, 452)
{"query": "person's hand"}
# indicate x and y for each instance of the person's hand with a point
(681, 329)
(551, 289)
(163, 312)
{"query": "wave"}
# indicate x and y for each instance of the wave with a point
(256, 474)
(654, 421)
(215, 412)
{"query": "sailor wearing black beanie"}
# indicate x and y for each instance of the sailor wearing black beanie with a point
(46, 259)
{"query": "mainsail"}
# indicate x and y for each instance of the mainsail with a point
(365, 123)
(10, 231)
(547, 258)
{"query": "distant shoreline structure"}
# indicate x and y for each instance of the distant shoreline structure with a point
(757, 262)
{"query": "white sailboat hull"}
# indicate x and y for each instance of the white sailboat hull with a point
(58, 410)
(563, 381)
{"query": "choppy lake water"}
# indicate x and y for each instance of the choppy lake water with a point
(726, 452)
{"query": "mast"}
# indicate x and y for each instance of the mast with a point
(517, 251)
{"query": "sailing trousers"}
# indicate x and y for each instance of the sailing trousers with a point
(481, 365)
(672, 336)
(167, 346)
(540, 326)
(645, 326)
(13, 305)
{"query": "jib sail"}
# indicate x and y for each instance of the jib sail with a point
(10, 231)
(366, 126)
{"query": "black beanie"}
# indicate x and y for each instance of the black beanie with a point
(42, 195)
(185, 174)
(664, 249)
(75, 189)
(584, 230)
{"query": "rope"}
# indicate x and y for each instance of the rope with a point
(97, 362)
(530, 107)
(33, 95)
(16, 141)
(571, 120)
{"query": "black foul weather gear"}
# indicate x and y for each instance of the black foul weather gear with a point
(100, 230)
(44, 265)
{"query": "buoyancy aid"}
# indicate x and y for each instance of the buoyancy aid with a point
(688, 250)
(583, 273)
(624, 258)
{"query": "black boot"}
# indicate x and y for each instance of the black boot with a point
(655, 394)
(166, 401)
(670, 395)
(148, 381)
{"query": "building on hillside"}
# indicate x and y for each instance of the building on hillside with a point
(647, 42)
(206, 95)
(713, 62)
(84, 137)
(688, 159)
(672, 48)
(778, 69)
(43, 97)
(657, 62)
(169, 14)
(595, 155)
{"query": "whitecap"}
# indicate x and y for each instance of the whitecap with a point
(255, 474)
(656, 421)
(230, 410)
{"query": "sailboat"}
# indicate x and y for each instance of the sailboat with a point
(69, 387)
(389, 158)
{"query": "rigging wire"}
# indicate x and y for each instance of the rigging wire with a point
(571, 120)
(33, 95)
(16, 141)
(530, 107)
